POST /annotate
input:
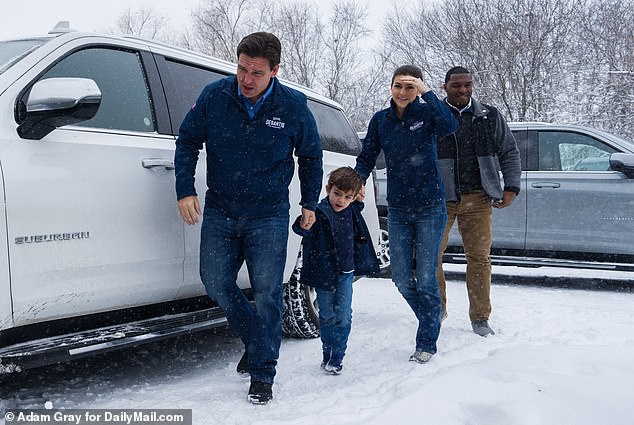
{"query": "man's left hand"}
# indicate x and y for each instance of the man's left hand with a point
(308, 219)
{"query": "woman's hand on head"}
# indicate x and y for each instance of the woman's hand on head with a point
(422, 86)
(418, 83)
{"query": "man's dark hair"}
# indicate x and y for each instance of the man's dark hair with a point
(261, 45)
(346, 179)
(410, 70)
(456, 70)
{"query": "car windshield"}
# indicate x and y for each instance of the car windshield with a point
(13, 51)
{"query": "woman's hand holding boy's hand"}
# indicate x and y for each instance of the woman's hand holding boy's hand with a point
(361, 195)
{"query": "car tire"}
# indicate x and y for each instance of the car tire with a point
(383, 252)
(301, 319)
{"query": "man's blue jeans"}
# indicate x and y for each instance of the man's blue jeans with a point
(335, 316)
(418, 234)
(226, 243)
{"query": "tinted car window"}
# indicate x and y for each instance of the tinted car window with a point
(125, 99)
(191, 82)
(335, 132)
(568, 151)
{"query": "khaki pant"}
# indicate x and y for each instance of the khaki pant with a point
(474, 224)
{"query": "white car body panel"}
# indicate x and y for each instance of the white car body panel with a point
(116, 206)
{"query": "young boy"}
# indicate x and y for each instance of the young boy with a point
(335, 249)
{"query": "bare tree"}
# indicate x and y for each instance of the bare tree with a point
(219, 25)
(346, 28)
(563, 60)
(404, 38)
(605, 73)
(326, 57)
(144, 22)
(517, 49)
(369, 91)
(301, 31)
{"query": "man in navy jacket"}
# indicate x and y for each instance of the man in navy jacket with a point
(250, 125)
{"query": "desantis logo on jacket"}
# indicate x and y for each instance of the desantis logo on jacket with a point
(416, 125)
(275, 122)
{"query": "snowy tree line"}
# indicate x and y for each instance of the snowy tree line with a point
(566, 61)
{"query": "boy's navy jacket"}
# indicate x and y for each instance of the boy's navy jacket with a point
(414, 181)
(250, 161)
(320, 268)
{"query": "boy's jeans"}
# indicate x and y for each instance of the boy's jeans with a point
(225, 244)
(335, 315)
(419, 234)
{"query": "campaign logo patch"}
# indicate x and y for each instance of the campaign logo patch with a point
(416, 125)
(275, 122)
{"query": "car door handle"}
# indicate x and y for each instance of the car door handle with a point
(545, 185)
(157, 163)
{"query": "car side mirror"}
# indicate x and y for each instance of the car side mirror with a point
(56, 102)
(623, 162)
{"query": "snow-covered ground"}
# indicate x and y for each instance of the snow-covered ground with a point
(559, 357)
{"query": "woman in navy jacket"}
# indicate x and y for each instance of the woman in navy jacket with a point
(407, 133)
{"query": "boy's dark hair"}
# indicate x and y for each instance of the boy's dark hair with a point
(261, 45)
(456, 70)
(410, 70)
(346, 179)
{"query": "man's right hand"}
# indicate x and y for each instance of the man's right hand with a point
(189, 209)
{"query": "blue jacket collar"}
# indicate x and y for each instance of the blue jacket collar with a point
(232, 90)
(266, 94)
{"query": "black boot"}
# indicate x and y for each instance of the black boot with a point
(260, 392)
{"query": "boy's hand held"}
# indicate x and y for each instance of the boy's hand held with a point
(361, 195)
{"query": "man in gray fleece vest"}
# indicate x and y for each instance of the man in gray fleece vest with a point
(470, 161)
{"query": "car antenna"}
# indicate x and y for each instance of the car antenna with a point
(62, 27)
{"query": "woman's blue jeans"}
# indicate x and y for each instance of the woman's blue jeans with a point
(335, 316)
(415, 239)
(225, 244)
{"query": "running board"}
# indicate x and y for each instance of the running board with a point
(51, 350)
(500, 260)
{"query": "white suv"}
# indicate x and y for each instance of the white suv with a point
(95, 255)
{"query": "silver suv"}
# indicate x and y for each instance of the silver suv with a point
(94, 254)
(576, 205)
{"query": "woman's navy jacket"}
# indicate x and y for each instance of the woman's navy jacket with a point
(413, 177)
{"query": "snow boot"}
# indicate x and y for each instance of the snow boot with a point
(481, 327)
(421, 357)
(260, 392)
